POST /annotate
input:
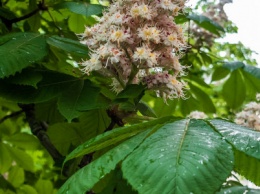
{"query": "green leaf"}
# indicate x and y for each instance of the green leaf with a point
(239, 190)
(234, 90)
(20, 50)
(80, 94)
(247, 166)
(112, 137)
(185, 156)
(131, 91)
(51, 86)
(26, 189)
(21, 158)
(255, 71)
(5, 158)
(84, 179)
(145, 109)
(242, 138)
(91, 123)
(26, 77)
(81, 8)
(206, 23)
(204, 99)
(219, 73)
(252, 84)
(69, 100)
(4, 184)
(44, 186)
(75, 23)
(24, 141)
(189, 105)
(232, 66)
(16, 176)
(68, 45)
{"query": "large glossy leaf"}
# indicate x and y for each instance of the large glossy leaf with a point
(19, 50)
(112, 137)
(242, 138)
(84, 179)
(247, 166)
(234, 90)
(185, 156)
(68, 45)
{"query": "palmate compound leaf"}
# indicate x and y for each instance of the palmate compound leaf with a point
(84, 179)
(185, 156)
(19, 50)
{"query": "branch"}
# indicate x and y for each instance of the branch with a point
(39, 130)
(9, 22)
(14, 114)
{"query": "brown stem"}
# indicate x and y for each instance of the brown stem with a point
(39, 130)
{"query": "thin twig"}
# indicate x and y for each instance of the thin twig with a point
(14, 114)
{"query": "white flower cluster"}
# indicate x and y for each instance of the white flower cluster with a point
(250, 116)
(137, 41)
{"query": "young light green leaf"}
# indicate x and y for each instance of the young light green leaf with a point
(5, 158)
(178, 155)
(21, 158)
(20, 50)
(84, 179)
(75, 23)
(242, 138)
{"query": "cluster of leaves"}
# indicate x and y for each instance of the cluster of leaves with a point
(80, 142)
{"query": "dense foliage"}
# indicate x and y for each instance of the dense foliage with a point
(65, 131)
